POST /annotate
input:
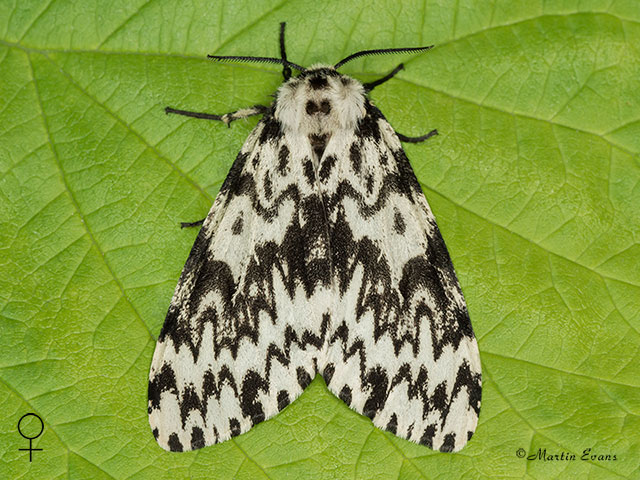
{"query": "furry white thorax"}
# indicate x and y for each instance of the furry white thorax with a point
(321, 100)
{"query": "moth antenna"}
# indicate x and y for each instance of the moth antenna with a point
(286, 71)
(382, 51)
(240, 58)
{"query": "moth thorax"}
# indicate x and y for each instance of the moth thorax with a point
(320, 102)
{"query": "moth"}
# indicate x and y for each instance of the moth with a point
(320, 255)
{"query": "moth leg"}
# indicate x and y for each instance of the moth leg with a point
(404, 138)
(227, 118)
(192, 224)
(286, 71)
(371, 85)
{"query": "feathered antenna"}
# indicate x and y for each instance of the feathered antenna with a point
(382, 51)
(279, 61)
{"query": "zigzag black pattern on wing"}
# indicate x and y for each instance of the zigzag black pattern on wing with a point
(319, 223)
(290, 257)
(378, 382)
(240, 306)
(190, 398)
(429, 272)
(400, 295)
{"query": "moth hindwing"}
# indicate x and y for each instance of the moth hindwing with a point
(320, 255)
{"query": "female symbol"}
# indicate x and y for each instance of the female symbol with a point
(30, 449)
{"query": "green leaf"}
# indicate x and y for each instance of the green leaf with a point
(534, 180)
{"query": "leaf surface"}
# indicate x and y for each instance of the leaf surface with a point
(534, 180)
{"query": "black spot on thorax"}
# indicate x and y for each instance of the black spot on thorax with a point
(312, 107)
(318, 82)
(318, 143)
(325, 106)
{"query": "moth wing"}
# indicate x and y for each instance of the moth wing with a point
(234, 350)
(401, 350)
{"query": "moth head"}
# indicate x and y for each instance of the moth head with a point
(319, 99)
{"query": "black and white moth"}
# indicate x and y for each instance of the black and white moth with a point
(320, 255)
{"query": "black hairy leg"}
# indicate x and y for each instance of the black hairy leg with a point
(371, 85)
(226, 118)
(404, 138)
(192, 224)
(286, 70)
